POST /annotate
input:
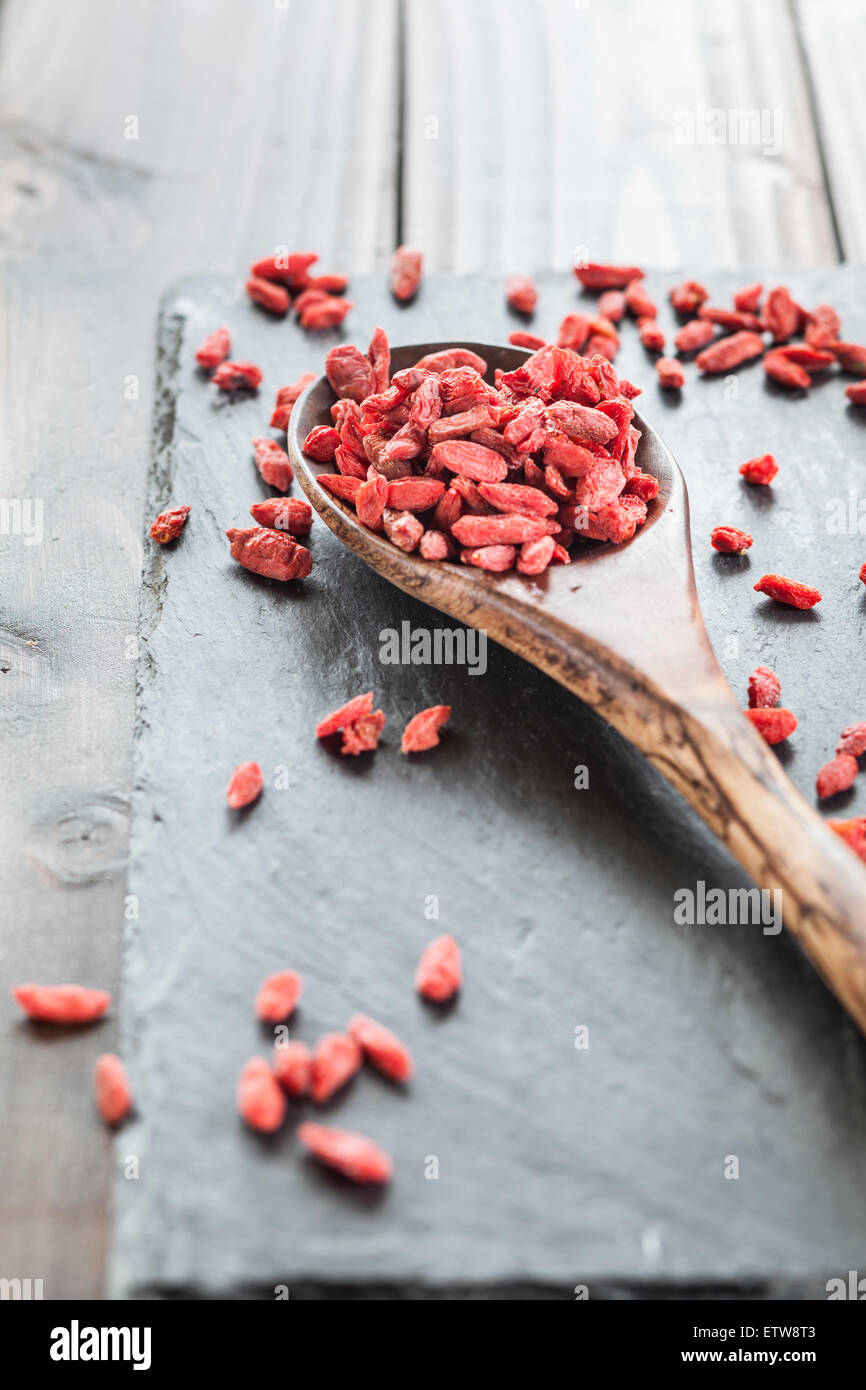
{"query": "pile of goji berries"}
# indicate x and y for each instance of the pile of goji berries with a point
(320, 1072)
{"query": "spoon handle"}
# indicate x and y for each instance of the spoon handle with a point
(711, 753)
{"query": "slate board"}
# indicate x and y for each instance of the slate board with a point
(556, 1166)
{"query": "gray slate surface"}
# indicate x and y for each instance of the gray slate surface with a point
(556, 1166)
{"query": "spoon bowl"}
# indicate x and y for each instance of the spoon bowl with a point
(621, 628)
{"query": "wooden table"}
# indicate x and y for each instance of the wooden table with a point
(142, 142)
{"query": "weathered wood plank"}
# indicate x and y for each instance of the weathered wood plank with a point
(535, 127)
(256, 125)
(833, 34)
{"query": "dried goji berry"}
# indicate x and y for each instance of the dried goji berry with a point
(574, 331)
(496, 558)
(168, 525)
(362, 734)
(381, 1047)
(343, 487)
(439, 973)
(371, 501)
(789, 591)
(237, 376)
(730, 540)
(349, 372)
(271, 297)
(836, 776)
(346, 714)
(286, 397)
(498, 530)
(694, 335)
(261, 1102)
(760, 471)
(325, 313)
(611, 305)
(404, 529)
(213, 349)
(862, 573)
(353, 1155)
(336, 1058)
(435, 545)
(273, 464)
(765, 688)
(781, 314)
(246, 785)
(774, 725)
(61, 1003)
(278, 996)
(643, 485)
(332, 283)
(851, 357)
(306, 298)
(471, 461)
(638, 301)
(292, 1064)
(853, 740)
(291, 514)
(113, 1091)
(731, 352)
(535, 556)
(526, 340)
(448, 358)
(405, 272)
(651, 335)
(670, 374)
(853, 832)
(415, 494)
(787, 373)
(856, 392)
(286, 267)
(688, 297)
(823, 327)
(517, 497)
(349, 464)
(270, 553)
(422, 731)
(606, 277)
(729, 320)
(521, 293)
(748, 299)
(813, 359)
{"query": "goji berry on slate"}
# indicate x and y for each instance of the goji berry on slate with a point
(61, 1003)
(526, 340)
(521, 293)
(606, 277)
(856, 392)
(325, 313)
(346, 714)
(574, 331)
(362, 735)
(336, 1059)
(781, 314)
(292, 1064)
(611, 305)
(113, 1092)
(789, 591)
(168, 525)
(381, 1047)
(748, 299)
(730, 540)
(853, 740)
(730, 352)
(853, 832)
(688, 297)
(246, 785)
(862, 573)
(638, 301)
(422, 731)
(261, 1102)
(774, 725)
(812, 358)
(237, 376)
(851, 357)
(291, 514)
(836, 776)
(350, 372)
(823, 327)
(286, 397)
(278, 996)
(729, 320)
(269, 553)
(694, 335)
(652, 336)
(439, 974)
(273, 464)
(787, 373)
(670, 374)
(760, 471)
(213, 349)
(405, 272)
(353, 1155)
(765, 688)
(332, 283)
(272, 297)
(286, 267)
(496, 558)
(306, 298)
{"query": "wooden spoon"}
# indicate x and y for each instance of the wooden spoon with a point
(621, 628)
